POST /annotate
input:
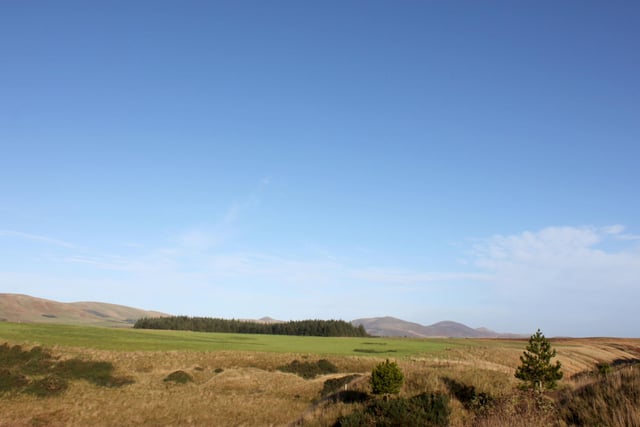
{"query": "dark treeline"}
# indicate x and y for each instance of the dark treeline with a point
(317, 328)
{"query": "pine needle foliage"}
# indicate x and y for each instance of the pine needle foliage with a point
(536, 370)
(386, 378)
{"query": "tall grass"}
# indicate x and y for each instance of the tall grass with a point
(612, 399)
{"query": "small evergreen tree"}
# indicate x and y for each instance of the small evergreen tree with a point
(386, 378)
(536, 369)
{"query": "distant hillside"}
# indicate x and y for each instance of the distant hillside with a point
(392, 327)
(25, 308)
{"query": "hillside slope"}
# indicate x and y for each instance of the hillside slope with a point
(393, 327)
(28, 309)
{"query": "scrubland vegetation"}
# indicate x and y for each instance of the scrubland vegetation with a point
(199, 382)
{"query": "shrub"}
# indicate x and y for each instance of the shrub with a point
(179, 377)
(336, 384)
(429, 410)
(520, 409)
(98, 373)
(18, 367)
(386, 378)
(471, 399)
(603, 368)
(10, 381)
(51, 385)
(37, 361)
(334, 389)
(308, 370)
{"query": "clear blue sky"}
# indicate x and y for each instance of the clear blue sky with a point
(470, 161)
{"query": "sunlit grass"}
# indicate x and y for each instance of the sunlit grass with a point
(154, 340)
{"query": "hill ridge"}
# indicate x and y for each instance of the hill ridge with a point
(392, 326)
(29, 309)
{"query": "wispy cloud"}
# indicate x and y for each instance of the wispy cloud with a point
(36, 238)
(568, 276)
(560, 257)
(407, 277)
(618, 232)
(220, 230)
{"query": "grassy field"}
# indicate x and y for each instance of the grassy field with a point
(236, 380)
(153, 340)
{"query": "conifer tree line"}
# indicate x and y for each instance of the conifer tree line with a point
(318, 328)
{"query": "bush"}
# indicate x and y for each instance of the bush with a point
(10, 381)
(334, 389)
(386, 378)
(471, 399)
(429, 410)
(308, 370)
(97, 373)
(336, 384)
(603, 368)
(51, 385)
(179, 377)
(18, 368)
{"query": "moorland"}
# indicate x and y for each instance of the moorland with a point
(154, 377)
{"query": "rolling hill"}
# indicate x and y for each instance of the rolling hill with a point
(25, 308)
(28, 309)
(393, 327)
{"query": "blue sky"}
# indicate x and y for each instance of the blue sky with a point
(470, 161)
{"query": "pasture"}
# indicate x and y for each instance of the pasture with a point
(100, 338)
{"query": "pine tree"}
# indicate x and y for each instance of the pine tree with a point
(536, 369)
(386, 378)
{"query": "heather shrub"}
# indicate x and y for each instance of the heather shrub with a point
(179, 377)
(308, 370)
(427, 409)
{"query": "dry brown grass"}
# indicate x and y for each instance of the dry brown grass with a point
(250, 391)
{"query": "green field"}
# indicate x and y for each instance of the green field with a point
(154, 340)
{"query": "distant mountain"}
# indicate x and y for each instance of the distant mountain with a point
(392, 327)
(25, 308)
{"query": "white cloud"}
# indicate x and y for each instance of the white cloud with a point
(568, 277)
(36, 238)
(201, 238)
(407, 277)
(567, 257)
(613, 229)
(616, 231)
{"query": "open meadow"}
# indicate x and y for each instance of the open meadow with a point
(235, 379)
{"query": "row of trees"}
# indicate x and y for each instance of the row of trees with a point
(318, 328)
